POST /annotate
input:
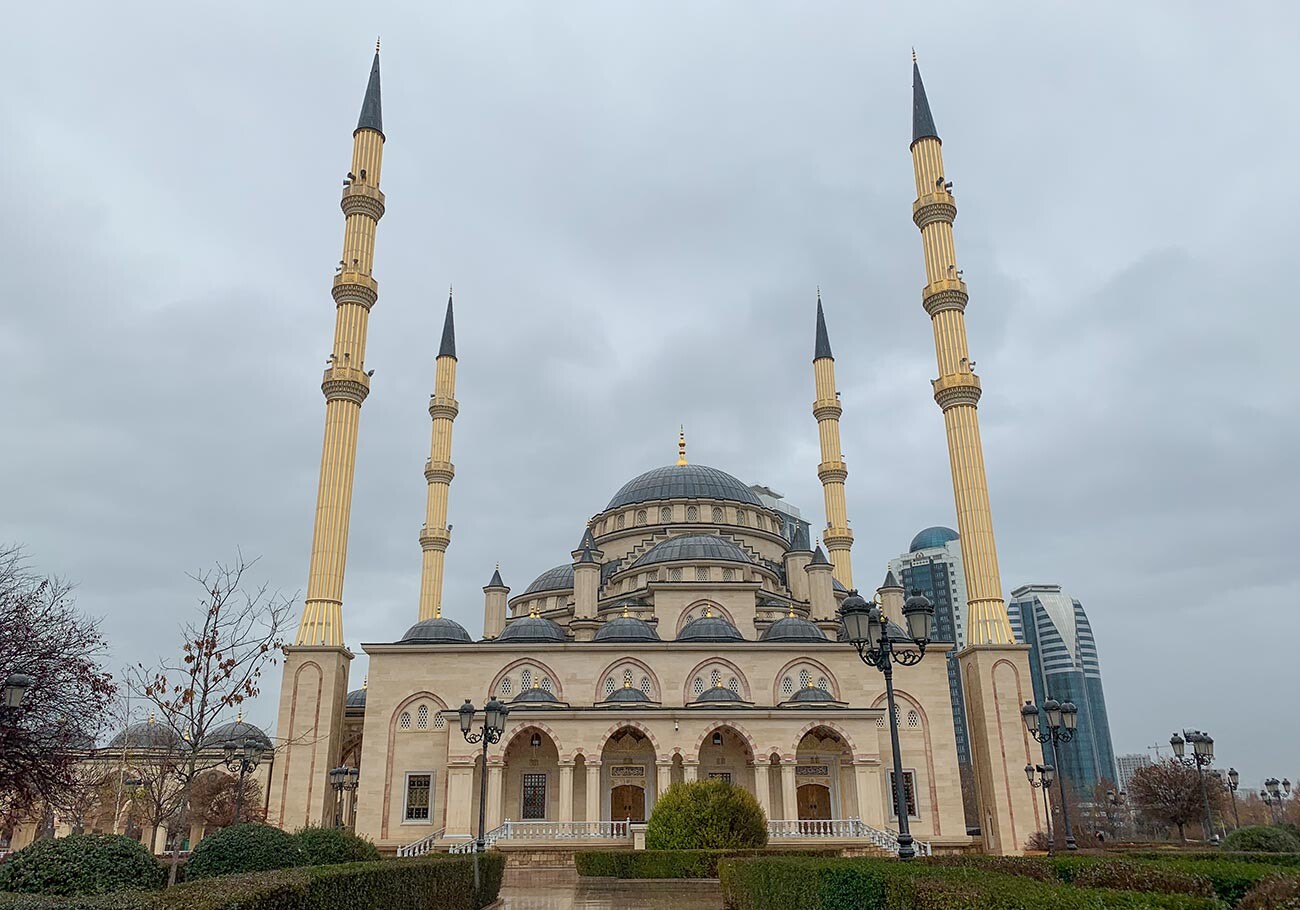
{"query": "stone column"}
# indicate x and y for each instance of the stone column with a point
(762, 786)
(459, 783)
(789, 800)
(690, 771)
(867, 779)
(593, 791)
(663, 776)
(495, 803)
(566, 791)
(196, 834)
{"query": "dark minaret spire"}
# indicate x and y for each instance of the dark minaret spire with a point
(372, 114)
(822, 348)
(448, 347)
(922, 119)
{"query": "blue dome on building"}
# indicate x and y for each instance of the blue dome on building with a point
(535, 697)
(709, 628)
(718, 697)
(931, 538)
(708, 547)
(558, 579)
(531, 628)
(438, 630)
(684, 481)
(626, 628)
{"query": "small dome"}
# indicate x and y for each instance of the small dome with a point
(356, 698)
(559, 578)
(536, 697)
(709, 628)
(708, 547)
(532, 628)
(237, 732)
(810, 695)
(717, 694)
(793, 628)
(628, 695)
(626, 628)
(146, 734)
(683, 481)
(931, 538)
(438, 630)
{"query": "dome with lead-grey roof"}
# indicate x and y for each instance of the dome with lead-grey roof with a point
(627, 696)
(793, 628)
(536, 697)
(683, 481)
(810, 695)
(709, 628)
(438, 630)
(696, 547)
(532, 628)
(718, 696)
(356, 698)
(559, 578)
(147, 734)
(626, 628)
(237, 732)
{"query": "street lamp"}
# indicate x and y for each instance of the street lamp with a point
(1273, 793)
(867, 629)
(16, 687)
(1044, 783)
(494, 724)
(241, 759)
(1202, 754)
(1062, 719)
(1233, 780)
(342, 778)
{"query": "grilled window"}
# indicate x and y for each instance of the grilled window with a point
(645, 684)
(715, 677)
(692, 513)
(534, 801)
(404, 722)
(909, 794)
(718, 516)
(701, 574)
(418, 792)
(666, 514)
(609, 685)
(439, 722)
(698, 686)
(787, 686)
(640, 516)
(422, 717)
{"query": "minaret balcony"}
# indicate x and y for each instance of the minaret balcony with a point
(934, 207)
(354, 287)
(439, 471)
(435, 539)
(827, 409)
(446, 408)
(957, 389)
(945, 294)
(832, 472)
(345, 382)
(361, 198)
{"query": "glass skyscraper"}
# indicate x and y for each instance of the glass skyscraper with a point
(1064, 666)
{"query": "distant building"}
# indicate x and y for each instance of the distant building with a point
(1064, 666)
(792, 521)
(1126, 765)
(933, 565)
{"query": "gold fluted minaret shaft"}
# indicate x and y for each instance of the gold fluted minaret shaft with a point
(345, 384)
(832, 471)
(438, 472)
(957, 390)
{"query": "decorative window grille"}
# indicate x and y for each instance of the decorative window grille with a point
(804, 679)
(652, 575)
(822, 684)
(506, 686)
(741, 518)
(439, 722)
(760, 523)
(627, 677)
(715, 677)
(897, 715)
(640, 516)
(909, 794)
(526, 679)
(665, 514)
(620, 521)
(546, 684)
(422, 717)
(534, 797)
(787, 686)
(701, 574)
(728, 574)
(692, 513)
(674, 574)
(404, 722)
(718, 516)
(645, 684)
(418, 791)
(609, 685)
(733, 684)
(698, 686)
(913, 719)
(880, 723)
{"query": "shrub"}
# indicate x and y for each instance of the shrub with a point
(247, 847)
(666, 863)
(81, 864)
(1277, 892)
(706, 815)
(330, 846)
(1231, 879)
(1262, 839)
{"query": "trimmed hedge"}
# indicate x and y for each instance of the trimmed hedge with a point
(82, 864)
(1262, 839)
(706, 815)
(1269, 859)
(883, 884)
(330, 846)
(1088, 872)
(1277, 892)
(441, 883)
(668, 863)
(247, 847)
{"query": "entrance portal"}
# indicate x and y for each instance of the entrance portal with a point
(814, 802)
(627, 802)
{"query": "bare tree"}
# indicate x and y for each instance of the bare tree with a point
(224, 650)
(213, 799)
(1170, 792)
(43, 636)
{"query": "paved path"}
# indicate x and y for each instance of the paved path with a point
(545, 889)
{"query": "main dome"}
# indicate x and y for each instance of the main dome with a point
(685, 481)
(704, 547)
(931, 538)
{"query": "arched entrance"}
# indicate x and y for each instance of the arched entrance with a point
(627, 767)
(725, 755)
(531, 786)
(823, 776)
(814, 802)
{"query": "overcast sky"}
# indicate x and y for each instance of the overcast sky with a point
(635, 203)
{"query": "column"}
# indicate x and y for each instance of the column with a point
(459, 781)
(789, 801)
(593, 791)
(566, 791)
(763, 787)
(495, 803)
(690, 771)
(663, 777)
(866, 778)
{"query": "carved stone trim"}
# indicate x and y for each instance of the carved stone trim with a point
(440, 472)
(930, 212)
(359, 204)
(348, 389)
(435, 539)
(833, 472)
(443, 407)
(351, 287)
(944, 299)
(823, 410)
(957, 395)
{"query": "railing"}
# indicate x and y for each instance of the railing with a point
(422, 846)
(841, 828)
(544, 831)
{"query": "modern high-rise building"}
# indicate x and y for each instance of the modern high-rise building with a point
(1128, 765)
(1063, 664)
(933, 565)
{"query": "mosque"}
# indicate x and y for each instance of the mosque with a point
(689, 633)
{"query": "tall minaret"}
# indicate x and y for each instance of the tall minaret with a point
(957, 390)
(438, 471)
(831, 471)
(346, 382)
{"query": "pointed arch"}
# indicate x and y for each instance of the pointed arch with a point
(715, 608)
(558, 690)
(625, 725)
(731, 725)
(831, 681)
(913, 703)
(688, 695)
(531, 724)
(598, 694)
(829, 725)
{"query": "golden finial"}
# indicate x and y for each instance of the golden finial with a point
(792, 611)
(681, 446)
(239, 717)
(152, 719)
(532, 610)
(365, 682)
(537, 682)
(913, 55)
(377, 45)
(708, 611)
(625, 614)
(627, 682)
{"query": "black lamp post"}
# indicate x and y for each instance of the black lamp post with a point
(494, 724)
(1273, 793)
(342, 778)
(241, 759)
(867, 629)
(1202, 754)
(1044, 783)
(1062, 718)
(1233, 780)
(16, 686)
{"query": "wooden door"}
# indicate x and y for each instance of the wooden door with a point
(814, 802)
(627, 802)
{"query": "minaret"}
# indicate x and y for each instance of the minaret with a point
(957, 390)
(438, 472)
(346, 383)
(832, 471)
(494, 605)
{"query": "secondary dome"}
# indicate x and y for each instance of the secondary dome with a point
(356, 698)
(709, 628)
(627, 696)
(558, 579)
(626, 628)
(532, 628)
(438, 630)
(685, 481)
(811, 696)
(147, 734)
(535, 697)
(717, 696)
(793, 628)
(709, 547)
(237, 732)
(932, 537)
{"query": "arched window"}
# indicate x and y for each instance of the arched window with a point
(645, 684)
(733, 684)
(698, 686)
(718, 516)
(675, 574)
(897, 715)
(609, 685)
(439, 722)
(913, 719)
(665, 514)
(640, 516)
(692, 513)
(506, 686)
(404, 722)
(619, 522)
(880, 723)
(715, 677)
(804, 678)
(741, 518)
(546, 684)
(701, 573)
(526, 679)
(422, 717)
(787, 686)
(822, 684)
(728, 574)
